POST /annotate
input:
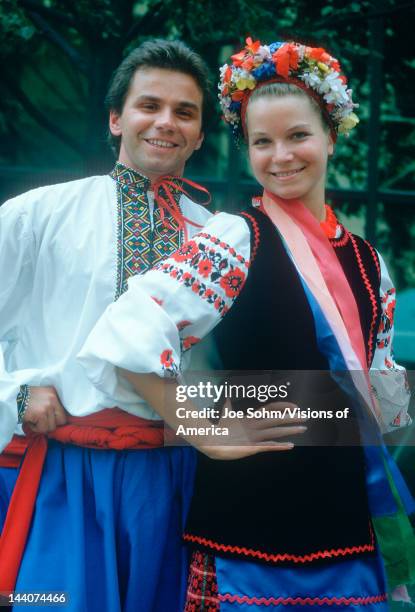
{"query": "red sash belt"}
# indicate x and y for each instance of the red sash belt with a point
(108, 429)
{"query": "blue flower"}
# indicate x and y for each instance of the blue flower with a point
(264, 72)
(234, 107)
(274, 46)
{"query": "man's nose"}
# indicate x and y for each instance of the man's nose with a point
(166, 119)
(282, 152)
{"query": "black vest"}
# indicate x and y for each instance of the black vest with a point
(308, 504)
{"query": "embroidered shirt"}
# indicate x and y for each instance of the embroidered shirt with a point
(66, 253)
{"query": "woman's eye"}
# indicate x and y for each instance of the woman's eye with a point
(261, 141)
(299, 135)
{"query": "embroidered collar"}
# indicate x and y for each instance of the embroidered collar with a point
(167, 193)
(134, 182)
(130, 178)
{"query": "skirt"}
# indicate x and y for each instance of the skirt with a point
(217, 584)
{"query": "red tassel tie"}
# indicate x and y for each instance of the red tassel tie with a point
(168, 204)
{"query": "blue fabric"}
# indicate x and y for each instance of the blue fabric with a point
(362, 577)
(107, 529)
(7, 480)
(380, 496)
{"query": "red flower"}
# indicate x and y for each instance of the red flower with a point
(174, 273)
(319, 54)
(248, 64)
(186, 251)
(186, 276)
(208, 293)
(205, 267)
(217, 303)
(251, 46)
(182, 324)
(227, 75)
(238, 58)
(190, 341)
(166, 358)
(232, 282)
(238, 95)
(390, 309)
(285, 58)
(196, 287)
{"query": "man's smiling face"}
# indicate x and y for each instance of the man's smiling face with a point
(161, 122)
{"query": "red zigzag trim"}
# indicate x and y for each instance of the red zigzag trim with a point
(256, 235)
(321, 554)
(371, 296)
(304, 601)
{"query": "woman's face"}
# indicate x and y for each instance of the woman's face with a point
(288, 148)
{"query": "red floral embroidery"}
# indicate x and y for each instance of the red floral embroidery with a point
(182, 324)
(386, 319)
(216, 266)
(186, 251)
(232, 282)
(189, 341)
(166, 358)
(167, 362)
(205, 267)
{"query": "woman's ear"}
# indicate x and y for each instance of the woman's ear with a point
(330, 145)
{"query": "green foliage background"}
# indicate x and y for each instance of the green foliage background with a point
(57, 57)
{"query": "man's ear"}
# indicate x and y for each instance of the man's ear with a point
(115, 123)
(200, 141)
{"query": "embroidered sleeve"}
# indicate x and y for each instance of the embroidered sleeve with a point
(388, 378)
(22, 401)
(170, 308)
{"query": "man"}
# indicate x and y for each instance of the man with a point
(106, 524)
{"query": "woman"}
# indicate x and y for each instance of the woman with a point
(292, 528)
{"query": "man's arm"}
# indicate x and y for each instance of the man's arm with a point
(17, 263)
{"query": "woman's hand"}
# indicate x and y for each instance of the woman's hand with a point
(252, 436)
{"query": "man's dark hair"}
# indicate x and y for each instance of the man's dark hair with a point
(158, 53)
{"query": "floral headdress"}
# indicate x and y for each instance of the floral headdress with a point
(310, 68)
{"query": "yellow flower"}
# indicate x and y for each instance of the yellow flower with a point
(348, 123)
(245, 83)
(323, 67)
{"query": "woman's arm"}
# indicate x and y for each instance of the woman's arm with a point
(246, 436)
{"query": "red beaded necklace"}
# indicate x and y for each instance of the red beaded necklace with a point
(329, 225)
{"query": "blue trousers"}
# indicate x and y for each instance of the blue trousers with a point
(107, 528)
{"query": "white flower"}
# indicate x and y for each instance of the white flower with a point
(334, 89)
(311, 79)
(264, 53)
(222, 70)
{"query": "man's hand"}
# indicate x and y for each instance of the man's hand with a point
(44, 412)
(252, 436)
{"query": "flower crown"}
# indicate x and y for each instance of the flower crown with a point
(310, 68)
